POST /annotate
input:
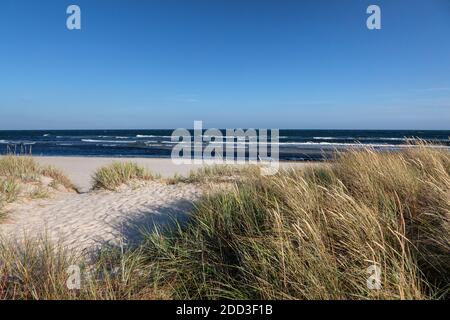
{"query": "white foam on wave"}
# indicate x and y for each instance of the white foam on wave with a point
(146, 136)
(361, 145)
(17, 142)
(325, 138)
(362, 138)
(309, 143)
(118, 137)
(106, 141)
(140, 136)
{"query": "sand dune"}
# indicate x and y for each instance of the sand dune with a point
(85, 221)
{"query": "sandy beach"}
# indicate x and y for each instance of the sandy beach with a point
(80, 169)
(84, 222)
(87, 219)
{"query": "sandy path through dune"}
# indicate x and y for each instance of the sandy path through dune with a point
(86, 221)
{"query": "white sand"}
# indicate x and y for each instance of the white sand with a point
(83, 222)
(92, 218)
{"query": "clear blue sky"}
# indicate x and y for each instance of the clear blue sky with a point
(231, 63)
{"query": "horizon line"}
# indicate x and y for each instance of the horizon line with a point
(206, 128)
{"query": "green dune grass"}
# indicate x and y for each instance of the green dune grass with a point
(311, 233)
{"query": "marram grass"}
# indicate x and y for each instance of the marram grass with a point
(313, 234)
(41, 270)
(22, 168)
(301, 234)
(17, 171)
(216, 173)
(112, 176)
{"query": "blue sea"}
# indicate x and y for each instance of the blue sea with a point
(303, 145)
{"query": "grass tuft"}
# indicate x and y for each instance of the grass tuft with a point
(18, 167)
(41, 270)
(20, 177)
(9, 190)
(216, 173)
(119, 173)
(58, 177)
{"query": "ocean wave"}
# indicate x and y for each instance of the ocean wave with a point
(26, 143)
(360, 145)
(140, 136)
(146, 136)
(115, 137)
(395, 139)
(326, 138)
(404, 139)
(361, 138)
(154, 145)
(307, 143)
(106, 141)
